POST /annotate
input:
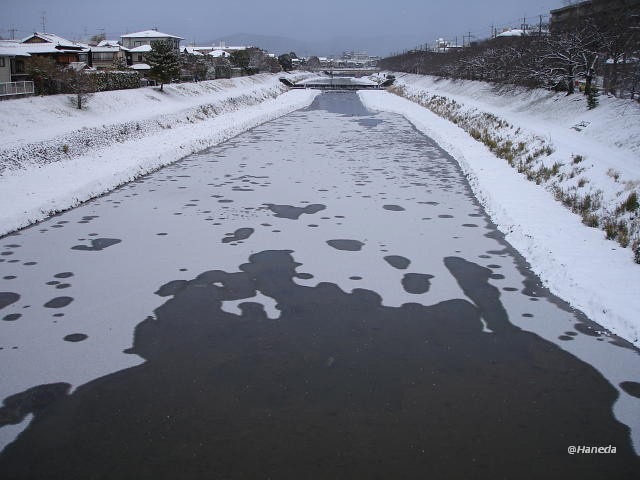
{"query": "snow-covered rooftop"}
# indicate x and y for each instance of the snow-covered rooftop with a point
(140, 66)
(54, 39)
(516, 32)
(110, 44)
(218, 53)
(12, 49)
(150, 34)
(141, 49)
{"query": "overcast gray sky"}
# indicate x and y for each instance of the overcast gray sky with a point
(204, 20)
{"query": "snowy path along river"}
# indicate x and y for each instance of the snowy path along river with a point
(319, 297)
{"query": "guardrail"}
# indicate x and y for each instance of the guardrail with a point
(16, 88)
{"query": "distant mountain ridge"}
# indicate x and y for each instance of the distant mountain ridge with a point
(381, 45)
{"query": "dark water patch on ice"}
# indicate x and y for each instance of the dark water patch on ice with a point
(10, 277)
(239, 234)
(293, 213)
(97, 244)
(416, 283)
(587, 329)
(445, 216)
(471, 225)
(7, 298)
(63, 285)
(631, 388)
(393, 208)
(63, 275)
(231, 383)
(369, 122)
(398, 261)
(58, 302)
(344, 244)
(75, 337)
(12, 317)
(565, 338)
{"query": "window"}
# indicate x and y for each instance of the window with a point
(1, 61)
(140, 57)
(103, 56)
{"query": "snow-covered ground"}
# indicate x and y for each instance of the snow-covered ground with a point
(574, 261)
(54, 157)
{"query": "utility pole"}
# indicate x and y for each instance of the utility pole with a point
(540, 27)
(12, 32)
(523, 27)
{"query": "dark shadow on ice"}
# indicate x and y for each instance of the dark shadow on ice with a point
(339, 386)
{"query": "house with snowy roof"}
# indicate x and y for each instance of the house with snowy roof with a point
(139, 43)
(63, 51)
(107, 54)
(48, 45)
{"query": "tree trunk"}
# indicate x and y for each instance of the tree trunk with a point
(79, 98)
(570, 81)
(161, 86)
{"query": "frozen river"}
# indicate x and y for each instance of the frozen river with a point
(319, 297)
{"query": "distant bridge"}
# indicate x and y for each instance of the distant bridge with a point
(339, 83)
(350, 72)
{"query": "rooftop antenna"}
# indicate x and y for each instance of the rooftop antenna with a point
(13, 31)
(44, 22)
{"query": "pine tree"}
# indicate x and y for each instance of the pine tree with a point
(164, 62)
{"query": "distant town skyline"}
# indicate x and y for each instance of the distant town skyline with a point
(389, 26)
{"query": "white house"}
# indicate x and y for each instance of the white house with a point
(139, 43)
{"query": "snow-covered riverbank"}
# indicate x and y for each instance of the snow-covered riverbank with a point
(574, 261)
(54, 156)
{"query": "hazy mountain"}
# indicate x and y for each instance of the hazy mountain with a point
(380, 45)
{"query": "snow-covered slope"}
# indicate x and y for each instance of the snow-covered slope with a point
(588, 159)
(54, 156)
(574, 261)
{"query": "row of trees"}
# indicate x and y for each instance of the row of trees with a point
(607, 48)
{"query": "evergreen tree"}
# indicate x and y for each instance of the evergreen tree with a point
(240, 58)
(164, 62)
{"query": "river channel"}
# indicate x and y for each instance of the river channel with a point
(319, 297)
